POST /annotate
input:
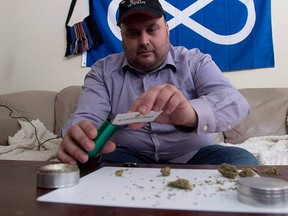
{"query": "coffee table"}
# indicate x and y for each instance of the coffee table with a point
(18, 193)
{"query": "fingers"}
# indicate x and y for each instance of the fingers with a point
(164, 98)
(136, 126)
(108, 147)
(82, 134)
(167, 98)
(145, 103)
(65, 157)
(78, 140)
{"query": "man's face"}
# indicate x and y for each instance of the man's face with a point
(145, 41)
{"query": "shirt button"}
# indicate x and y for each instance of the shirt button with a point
(229, 127)
(205, 128)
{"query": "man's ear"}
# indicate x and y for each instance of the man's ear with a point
(167, 27)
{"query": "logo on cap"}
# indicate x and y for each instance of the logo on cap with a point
(135, 2)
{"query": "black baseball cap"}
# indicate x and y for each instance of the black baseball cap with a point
(149, 7)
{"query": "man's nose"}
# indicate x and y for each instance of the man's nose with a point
(144, 39)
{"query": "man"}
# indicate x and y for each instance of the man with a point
(153, 75)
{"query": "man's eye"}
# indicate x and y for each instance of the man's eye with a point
(132, 34)
(152, 30)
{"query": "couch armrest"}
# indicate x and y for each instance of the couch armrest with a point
(65, 105)
(268, 114)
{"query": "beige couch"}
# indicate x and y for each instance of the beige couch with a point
(269, 108)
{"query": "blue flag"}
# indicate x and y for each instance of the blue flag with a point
(236, 33)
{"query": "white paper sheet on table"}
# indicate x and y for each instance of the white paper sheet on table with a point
(147, 188)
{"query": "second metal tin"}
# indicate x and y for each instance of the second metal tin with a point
(263, 191)
(57, 176)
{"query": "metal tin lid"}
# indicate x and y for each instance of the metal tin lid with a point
(57, 175)
(263, 191)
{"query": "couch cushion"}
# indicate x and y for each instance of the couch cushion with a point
(65, 105)
(8, 126)
(268, 113)
(30, 104)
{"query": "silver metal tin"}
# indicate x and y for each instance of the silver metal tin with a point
(263, 191)
(57, 176)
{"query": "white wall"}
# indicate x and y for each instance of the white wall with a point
(32, 47)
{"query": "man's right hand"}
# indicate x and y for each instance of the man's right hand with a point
(78, 139)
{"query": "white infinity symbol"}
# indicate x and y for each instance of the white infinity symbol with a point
(183, 17)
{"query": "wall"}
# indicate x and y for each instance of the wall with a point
(32, 47)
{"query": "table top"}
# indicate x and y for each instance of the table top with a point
(19, 191)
